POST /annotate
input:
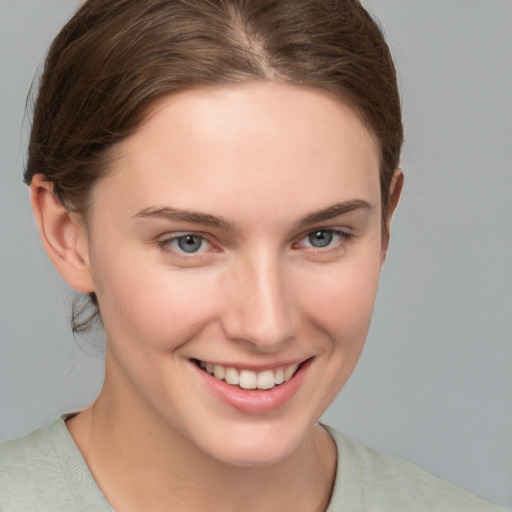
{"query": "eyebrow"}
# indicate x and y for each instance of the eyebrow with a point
(335, 210)
(180, 215)
(177, 214)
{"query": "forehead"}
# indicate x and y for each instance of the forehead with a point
(257, 142)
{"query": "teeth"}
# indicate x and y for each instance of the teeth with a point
(248, 379)
(232, 377)
(219, 371)
(289, 371)
(266, 380)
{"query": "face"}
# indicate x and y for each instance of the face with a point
(235, 249)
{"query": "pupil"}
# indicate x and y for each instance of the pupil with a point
(320, 239)
(189, 243)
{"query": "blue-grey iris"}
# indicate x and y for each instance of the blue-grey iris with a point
(189, 243)
(320, 238)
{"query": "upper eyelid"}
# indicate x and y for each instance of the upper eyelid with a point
(170, 237)
(181, 234)
(345, 231)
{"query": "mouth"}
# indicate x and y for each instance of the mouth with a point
(249, 379)
(250, 390)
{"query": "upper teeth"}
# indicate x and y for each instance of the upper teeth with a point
(248, 379)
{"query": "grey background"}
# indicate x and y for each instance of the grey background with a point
(434, 384)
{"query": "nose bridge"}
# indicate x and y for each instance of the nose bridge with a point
(262, 309)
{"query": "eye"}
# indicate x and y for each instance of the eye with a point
(320, 238)
(323, 238)
(188, 243)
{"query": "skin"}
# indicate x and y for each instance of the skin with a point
(265, 158)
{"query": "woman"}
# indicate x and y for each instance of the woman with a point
(219, 178)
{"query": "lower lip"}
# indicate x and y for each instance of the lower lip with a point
(255, 401)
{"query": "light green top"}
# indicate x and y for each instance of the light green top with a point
(45, 472)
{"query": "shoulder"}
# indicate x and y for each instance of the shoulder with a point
(26, 466)
(14, 453)
(379, 481)
(26, 456)
(45, 471)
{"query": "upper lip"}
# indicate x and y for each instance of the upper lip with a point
(255, 367)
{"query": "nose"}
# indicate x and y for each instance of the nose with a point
(260, 306)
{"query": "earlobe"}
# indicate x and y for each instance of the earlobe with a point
(63, 235)
(395, 191)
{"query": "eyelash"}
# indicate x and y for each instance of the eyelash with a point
(166, 244)
(344, 238)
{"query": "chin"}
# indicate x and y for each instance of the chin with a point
(255, 446)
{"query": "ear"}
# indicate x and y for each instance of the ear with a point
(63, 234)
(395, 190)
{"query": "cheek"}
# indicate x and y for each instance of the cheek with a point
(152, 304)
(349, 297)
(341, 301)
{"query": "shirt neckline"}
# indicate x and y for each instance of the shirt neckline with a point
(347, 488)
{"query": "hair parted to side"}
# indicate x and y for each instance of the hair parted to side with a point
(115, 58)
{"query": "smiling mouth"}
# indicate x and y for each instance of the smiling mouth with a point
(248, 379)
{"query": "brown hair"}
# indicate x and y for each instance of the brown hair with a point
(115, 58)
